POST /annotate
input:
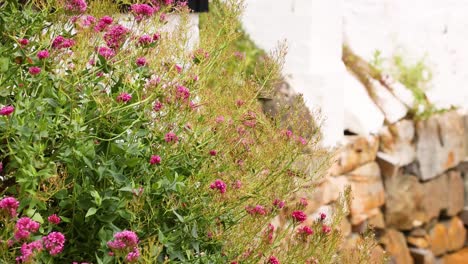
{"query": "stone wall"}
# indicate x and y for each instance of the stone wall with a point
(408, 183)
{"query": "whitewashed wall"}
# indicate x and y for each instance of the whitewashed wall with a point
(316, 29)
(437, 29)
(312, 29)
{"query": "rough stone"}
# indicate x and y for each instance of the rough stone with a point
(399, 90)
(360, 228)
(456, 193)
(422, 256)
(465, 121)
(404, 207)
(396, 144)
(356, 151)
(438, 239)
(387, 168)
(358, 102)
(345, 227)
(435, 196)
(440, 145)
(464, 216)
(459, 257)
(419, 242)
(395, 244)
(377, 221)
(377, 254)
(325, 192)
(367, 192)
(456, 233)
(391, 107)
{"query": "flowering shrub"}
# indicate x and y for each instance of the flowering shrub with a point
(137, 150)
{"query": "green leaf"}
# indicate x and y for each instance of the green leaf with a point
(181, 218)
(4, 64)
(91, 211)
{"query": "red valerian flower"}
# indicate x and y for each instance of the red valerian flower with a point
(9, 204)
(62, 43)
(326, 229)
(42, 54)
(323, 216)
(155, 159)
(54, 243)
(182, 92)
(24, 227)
(76, 6)
(7, 110)
(34, 70)
(273, 260)
(23, 42)
(141, 62)
(145, 40)
(305, 230)
(303, 202)
(103, 23)
(220, 185)
(54, 219)
(106, 52)
(278, 203)
(141, 11)
(115, 36)
(124, 97)
(299, 216)
(171, 137)
(257, 210)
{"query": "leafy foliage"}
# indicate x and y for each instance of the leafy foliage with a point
(148, 136)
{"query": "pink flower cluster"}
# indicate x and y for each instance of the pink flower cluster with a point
(171, 137)
(28, 251)
(125, 241)
(7, 110)
(115, 36)
(10, 205)
(103, 23)
(141, 11)
(326, 229)
(84, 21)
(157, 106)
(278, 203)
(62, 43)
(24, 227)
(78, 6)
(124, 97)
(155, 159)
(305, 230)
(34, 70)
(43, 54)
(23, 42)
(106, 52)
(219, 185)
(54, 219)
(182, 92)
(256, 210)
(145, 40)
(140, 62)
(273, 260)
(54, 243)
(299, 216)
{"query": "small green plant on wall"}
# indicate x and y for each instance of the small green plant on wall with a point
(415, 76)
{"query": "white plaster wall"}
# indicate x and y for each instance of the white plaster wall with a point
(437, 29)
(312, 29)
